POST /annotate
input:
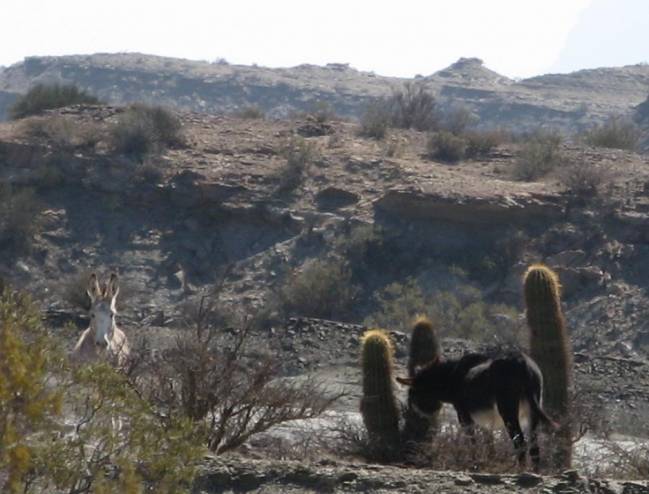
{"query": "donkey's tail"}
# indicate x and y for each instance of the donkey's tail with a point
(543, 417)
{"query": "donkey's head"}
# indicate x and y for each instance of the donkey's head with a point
(428, 387)
(102, 308)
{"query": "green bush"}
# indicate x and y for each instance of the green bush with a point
(616, 133)
(46, 97)
(321, 289)
(446, 147)
(143, 129)
(460, 312)
(28, 406)
(538, 155)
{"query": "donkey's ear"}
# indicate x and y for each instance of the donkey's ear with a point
(93, 289)
(406, 381)
(113, 287)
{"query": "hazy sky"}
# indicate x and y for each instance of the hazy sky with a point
(517, 38)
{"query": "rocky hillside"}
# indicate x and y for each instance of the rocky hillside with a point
(570, 101)
(290, 218)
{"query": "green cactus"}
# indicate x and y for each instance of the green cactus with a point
(379, 406)
(551, 349)
(424, 348)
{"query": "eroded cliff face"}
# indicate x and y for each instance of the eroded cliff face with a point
(568, 101)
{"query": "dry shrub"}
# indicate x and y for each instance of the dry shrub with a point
(412, 107)
(43, 97)
(62, 132)
(322, 112)
(615, 133)
(446, 147)
(458, 119)
(539, 154)
(479, 143)
(300, 154)
(251, 112)
(585, 179)
(322, 288)
(375, 121)
(229, 387)
(144, 129)
(20, 218)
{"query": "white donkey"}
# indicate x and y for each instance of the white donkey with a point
(103, 339)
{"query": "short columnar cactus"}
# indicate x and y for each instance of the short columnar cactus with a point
(550, 347)
(379, 406)
(424, 348)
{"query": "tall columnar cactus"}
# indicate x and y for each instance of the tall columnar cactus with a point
(424, 348)
(379, 406)
(550, 347)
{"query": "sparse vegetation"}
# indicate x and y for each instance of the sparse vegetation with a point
(585, 179)
(446, 147)
(43, 97)
(322, 288)
(62, 132)
(538, 155)
(615, 133)
(479, 143)
(142, 129)
(375, 121)
(322, 112)
(252, 112)
(20, 218)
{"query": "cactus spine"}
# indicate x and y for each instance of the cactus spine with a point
(424, 348)
(379, 406)
(550, 347)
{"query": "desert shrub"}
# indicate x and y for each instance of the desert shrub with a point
(616, 133)
(20, 218)
(43, 97)
(460, 313)
(143, 129)
(300, 155)
(252, 112)
(447, 147)
(538, 155)
(63, 132)
(322, 112)
(413, 107)
(148, 172)
(229, 387)
(584, 179)
(458, 119)
(322, 288)
(479, 143)
(375, 121)
(394, 147)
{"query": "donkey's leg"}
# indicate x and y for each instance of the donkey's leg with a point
(508, 410)
(468, 426)
(535, 453)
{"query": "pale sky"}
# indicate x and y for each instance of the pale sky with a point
(517, 38)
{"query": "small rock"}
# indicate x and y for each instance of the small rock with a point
(487, 478)
(527, 479)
